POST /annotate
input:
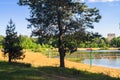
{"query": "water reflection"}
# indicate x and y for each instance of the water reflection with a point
(107, 58)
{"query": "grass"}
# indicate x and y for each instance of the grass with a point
(21, 71)
(74, 59)
(50, 52)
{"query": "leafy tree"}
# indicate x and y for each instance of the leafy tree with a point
(1, 40)
(11, 44)
(115, 42)
(101, 41)
(27, 42)
(95, 40)
(60, 18)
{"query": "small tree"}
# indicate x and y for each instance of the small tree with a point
(11, 45)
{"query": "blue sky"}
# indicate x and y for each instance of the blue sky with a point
(109, 9)
(10, 10)
(110, 12)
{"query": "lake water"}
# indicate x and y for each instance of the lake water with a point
(107, 58)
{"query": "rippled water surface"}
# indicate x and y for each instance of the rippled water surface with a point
(107, 58)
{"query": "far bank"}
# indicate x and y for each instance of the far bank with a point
(98, 48)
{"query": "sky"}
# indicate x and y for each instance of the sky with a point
(109, 10)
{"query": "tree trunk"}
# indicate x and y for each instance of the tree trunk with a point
(9, 60)
(62, 56)
(60, 41)
(61, 50)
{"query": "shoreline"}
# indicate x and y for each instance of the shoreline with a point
(37, 60)
(97, 48)
(113, 72)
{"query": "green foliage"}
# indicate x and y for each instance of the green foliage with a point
(115, 42)
(75, 59)
(11, 44)
(1, 41)
(94, 40)
(27, 42)
(32, 44)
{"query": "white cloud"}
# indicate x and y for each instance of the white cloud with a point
(103, 0)
(82, 0)
(96, 0)
(79, 0)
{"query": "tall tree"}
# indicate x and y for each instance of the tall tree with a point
(61, 18)
(11, 44)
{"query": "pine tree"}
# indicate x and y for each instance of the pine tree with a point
(60, 18)
(11, 44)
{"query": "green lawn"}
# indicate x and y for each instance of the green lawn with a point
(20, 71)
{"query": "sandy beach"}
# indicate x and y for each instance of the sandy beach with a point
(37, 59)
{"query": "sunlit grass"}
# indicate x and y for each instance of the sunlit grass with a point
(36, 59)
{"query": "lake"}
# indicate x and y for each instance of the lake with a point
(107, 58)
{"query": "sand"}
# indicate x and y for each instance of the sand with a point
(37, 59)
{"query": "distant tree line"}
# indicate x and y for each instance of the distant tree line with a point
(95, 41)
(115, 42)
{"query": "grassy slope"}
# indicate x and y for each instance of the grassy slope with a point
(25, 72)
(20, 71)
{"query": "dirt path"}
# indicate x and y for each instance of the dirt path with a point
(37, 59)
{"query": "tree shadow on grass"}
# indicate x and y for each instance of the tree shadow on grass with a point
(19, 71)
(22, 71)
(74, 74)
